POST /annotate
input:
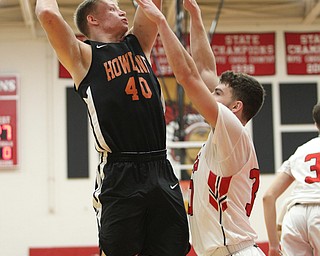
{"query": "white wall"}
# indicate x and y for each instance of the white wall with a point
(39, 206)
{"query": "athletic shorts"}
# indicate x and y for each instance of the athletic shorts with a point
(143, 212)
(301, 230)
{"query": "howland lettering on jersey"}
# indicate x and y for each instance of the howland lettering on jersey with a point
(117, 66)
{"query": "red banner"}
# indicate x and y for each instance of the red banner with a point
(303, 53)
(74, 251)
(250, 53)
(94, 251)
(8, 121)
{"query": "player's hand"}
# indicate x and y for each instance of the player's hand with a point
(151, 10)
(191, 6)
(274, 252)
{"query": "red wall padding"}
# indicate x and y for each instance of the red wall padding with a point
(94, 251)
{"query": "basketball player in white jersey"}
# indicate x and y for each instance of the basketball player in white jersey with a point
(300, 234)
(225, 177)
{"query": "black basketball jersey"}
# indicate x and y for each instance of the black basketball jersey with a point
(123, 97)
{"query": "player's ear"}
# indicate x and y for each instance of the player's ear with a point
(237, 106)
(91, 19)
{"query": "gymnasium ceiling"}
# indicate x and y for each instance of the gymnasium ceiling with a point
(16, 14)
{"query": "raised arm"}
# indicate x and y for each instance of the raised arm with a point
(145, 30)
(201, 50)
(280, 184)
(74, 55)
(183, 65)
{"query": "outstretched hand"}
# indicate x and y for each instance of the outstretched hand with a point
(274, 252)
(151, 10)
(191, 6)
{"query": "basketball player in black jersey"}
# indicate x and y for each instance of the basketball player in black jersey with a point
(137, 198)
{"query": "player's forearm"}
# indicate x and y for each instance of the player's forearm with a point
(200, 47)
(270, 216)
(178, 58)
(51, 20)
(144, 30)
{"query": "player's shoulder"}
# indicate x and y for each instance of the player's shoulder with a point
(313, 145)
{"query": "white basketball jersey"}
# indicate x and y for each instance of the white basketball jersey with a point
(304, 167)
(223, 187)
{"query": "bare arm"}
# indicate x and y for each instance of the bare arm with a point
(145, 30)
(72, 53)
(200, 46)
(279, 185)
(183, 65)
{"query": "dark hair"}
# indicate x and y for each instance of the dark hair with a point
(316, 114)
(246, 89)
(80, 16)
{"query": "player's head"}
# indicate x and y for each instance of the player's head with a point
(316, 115)
(80, 16)
(103, 13)
(245, 91)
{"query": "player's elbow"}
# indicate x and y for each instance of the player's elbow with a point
(268, 198)
(45, 14)
(41, 11)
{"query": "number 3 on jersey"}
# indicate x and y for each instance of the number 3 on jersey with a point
(313, 168)
(131, 88)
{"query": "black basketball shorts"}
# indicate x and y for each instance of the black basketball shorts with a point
(143, 212)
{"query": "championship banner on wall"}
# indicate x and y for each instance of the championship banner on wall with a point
(251, 53)
(8, 121)
(303, 53)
